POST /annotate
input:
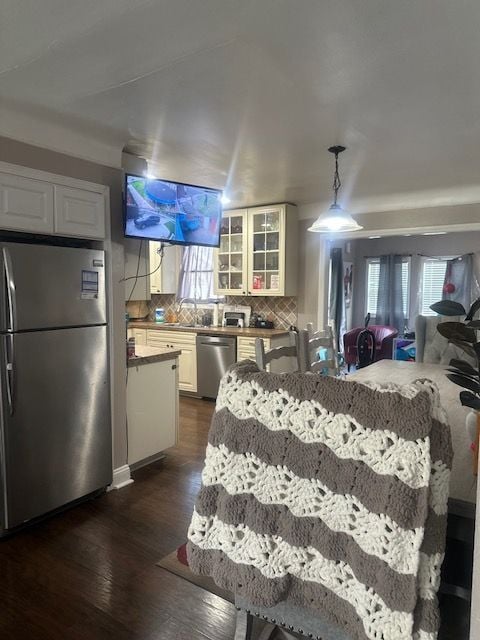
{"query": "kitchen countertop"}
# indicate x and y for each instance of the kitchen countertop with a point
(247, 332)
(147, 355)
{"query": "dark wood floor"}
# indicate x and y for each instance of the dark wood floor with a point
(90, 572)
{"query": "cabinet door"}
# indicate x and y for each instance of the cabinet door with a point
(231, 257)
(160, 339)
(187, 361)
(79, 213)
(246, 348)
(25, 204)
(155, 271)
(266, 257)
(140, 336)
(187, 368)
(165, 278)
(150, 430)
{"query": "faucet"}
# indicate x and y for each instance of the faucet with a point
(179, 308)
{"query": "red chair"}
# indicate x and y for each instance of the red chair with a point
(384, 336)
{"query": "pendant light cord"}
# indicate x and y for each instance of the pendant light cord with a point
(336, 150)
(336, 179)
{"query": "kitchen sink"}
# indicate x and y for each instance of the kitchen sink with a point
(180, 325)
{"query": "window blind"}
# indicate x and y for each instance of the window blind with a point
(433, 278)
(373, 276)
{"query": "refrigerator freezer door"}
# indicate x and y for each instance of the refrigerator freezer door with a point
(50, 287)
(56, 431)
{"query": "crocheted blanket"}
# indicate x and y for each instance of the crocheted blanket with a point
(330, 494)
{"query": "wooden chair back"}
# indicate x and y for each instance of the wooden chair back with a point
(310, 342)
(264, 358)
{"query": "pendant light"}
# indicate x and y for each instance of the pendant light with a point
(335, 219)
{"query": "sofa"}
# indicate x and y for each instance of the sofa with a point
(384, 336)
(431, 346)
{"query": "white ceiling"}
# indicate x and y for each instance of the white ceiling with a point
(248, 94)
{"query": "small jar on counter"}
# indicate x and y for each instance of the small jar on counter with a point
(130, 348)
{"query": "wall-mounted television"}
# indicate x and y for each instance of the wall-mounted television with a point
(172, 212)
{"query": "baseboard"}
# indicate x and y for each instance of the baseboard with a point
(142, 463)
(121, 478)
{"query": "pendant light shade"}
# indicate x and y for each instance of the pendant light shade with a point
(335, 219)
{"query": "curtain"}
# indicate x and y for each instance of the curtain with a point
(337, 297)
(390, 293)
(196, 273)
(417, 263)
(458, 281)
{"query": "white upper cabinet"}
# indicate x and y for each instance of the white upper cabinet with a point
(231, 263)
(258, 252)
(267, 251)
(163, 272)
(39, 202)
(79, 213)
(25, 204)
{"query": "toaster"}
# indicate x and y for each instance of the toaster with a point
(234, 319)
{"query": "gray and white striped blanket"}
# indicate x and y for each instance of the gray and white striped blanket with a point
(329, 494)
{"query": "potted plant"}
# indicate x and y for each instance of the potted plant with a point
(465, 374)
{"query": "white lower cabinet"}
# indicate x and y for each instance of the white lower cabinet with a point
(246, 351)
(246, 348)
(152, 409)
(186, 343)
(140, 336)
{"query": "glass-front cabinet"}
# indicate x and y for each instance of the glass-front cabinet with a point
(256, 247)
(266, 255)
(231, 263)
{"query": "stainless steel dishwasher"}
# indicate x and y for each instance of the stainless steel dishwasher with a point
(214, 355)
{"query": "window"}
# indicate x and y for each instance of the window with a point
(373, 278)
(433, 278)
(196, 274)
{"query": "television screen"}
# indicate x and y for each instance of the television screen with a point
(172, 211)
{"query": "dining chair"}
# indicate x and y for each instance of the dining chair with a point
(311, 342)
(265, 358)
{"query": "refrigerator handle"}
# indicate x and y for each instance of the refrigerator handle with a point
(11, 292)
(10, 370)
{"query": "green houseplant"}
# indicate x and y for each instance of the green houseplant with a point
(462, 335)
(465, 374)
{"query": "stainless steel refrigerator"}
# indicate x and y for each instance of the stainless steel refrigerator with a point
(55, 431)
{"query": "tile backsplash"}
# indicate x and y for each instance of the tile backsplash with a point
(282, 310)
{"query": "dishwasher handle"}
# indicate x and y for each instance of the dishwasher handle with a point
(222, 345)
(214, 341)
